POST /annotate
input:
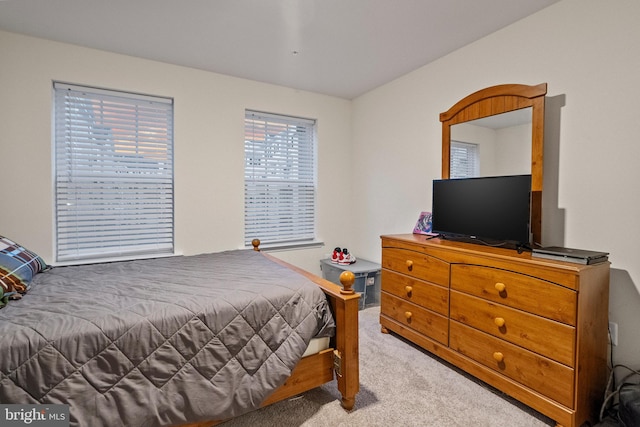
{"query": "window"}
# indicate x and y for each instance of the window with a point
(465, 160)
(113, 174)
(279, 179)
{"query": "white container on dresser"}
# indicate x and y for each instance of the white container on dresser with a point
(535, 329)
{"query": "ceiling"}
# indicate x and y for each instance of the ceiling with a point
(341, 48)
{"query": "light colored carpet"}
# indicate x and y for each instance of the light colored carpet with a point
(400, 385)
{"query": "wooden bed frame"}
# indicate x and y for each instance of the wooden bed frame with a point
(340, 359)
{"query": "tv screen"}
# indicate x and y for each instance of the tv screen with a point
(491, 210)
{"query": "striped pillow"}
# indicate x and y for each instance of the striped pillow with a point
(17, 267)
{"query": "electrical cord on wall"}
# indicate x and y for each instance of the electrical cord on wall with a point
(610, 348)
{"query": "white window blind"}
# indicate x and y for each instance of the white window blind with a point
(280, 179)
(465, 161)
(113, 174)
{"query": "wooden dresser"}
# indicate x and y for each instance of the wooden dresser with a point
(535, 329)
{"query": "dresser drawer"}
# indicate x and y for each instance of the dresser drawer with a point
(516, 290)
(546, 376)
(424, 294)
(549, 338)
(420, 320)
(416, 264)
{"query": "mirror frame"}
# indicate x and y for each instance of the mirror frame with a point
(497, 100)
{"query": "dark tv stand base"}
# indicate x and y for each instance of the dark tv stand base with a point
(523, 248)
(506, 244)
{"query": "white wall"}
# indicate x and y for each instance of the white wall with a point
(209, 153)
(587, 52)
(513, 150)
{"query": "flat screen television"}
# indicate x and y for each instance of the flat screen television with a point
(490, 210)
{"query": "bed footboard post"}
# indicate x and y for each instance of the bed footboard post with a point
(346, 316)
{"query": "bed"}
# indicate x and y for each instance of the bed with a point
(178, 341)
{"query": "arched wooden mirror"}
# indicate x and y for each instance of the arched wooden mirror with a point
(483, 115)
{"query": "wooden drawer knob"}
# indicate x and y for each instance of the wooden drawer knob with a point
(408, 289)
(408, 315)
(409, 264)
(498, 357)
(499, 321)
(500, 287)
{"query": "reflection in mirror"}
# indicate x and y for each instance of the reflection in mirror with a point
(492, 146)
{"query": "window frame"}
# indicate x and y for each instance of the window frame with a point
(113, 175)
(467, 166)
(265, 217)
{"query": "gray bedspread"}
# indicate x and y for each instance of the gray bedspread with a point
(159, 342)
